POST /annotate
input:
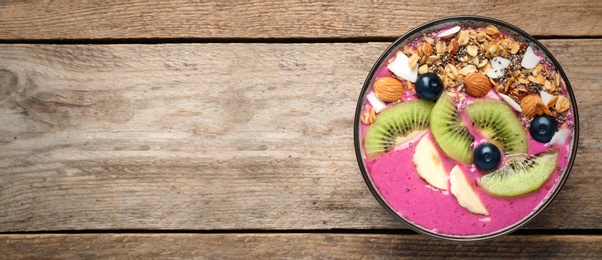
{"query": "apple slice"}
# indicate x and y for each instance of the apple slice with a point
(429, 165)
(464, 192)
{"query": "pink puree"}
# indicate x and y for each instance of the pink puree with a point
(394, 176)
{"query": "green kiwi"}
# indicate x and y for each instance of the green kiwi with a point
(520, 174)
(397, 125)
(499, 125)
(449, 131)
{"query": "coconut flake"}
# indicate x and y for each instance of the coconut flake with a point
(376, 103)
(545, 96)
(498, 67)
(500, 63)
(511, 102)
(530, 60)
(495, 73)
(401, 68)
(560, 137)
(448, 32)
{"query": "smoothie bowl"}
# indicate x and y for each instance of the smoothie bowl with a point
(466, 128)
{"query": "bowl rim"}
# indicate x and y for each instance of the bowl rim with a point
(361, 100)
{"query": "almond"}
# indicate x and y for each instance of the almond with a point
(531, 105)
(427, 49)
(477, 85)
(388, 89)
(453, 47)
(562, 104)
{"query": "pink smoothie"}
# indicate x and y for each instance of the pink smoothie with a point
(395, 178)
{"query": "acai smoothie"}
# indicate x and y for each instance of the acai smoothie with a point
(466, 130)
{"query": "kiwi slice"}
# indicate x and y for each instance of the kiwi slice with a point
(449, 131)
(521, 174)
(499, 125)
(397, 125)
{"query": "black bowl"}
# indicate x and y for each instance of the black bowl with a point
(417, 32)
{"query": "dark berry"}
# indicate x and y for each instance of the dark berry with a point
(429, 86)
(543, 128)
(487, 156)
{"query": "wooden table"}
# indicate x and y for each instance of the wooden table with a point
(167, 129)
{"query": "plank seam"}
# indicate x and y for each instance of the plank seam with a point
(524, 232)
(151, 41)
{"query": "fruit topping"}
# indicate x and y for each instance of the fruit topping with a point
(520, 175)
(376, 103)
(397, 125)
(465, 193)
(429, 165)
(530, 60)
(487, 156)
(401, 67)
(429, 86)
(449, 131)
(388, 89)
(499, 125)
(477, 85)
(543, 128)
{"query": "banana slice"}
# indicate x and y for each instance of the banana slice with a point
(464, 192)
(429, 165)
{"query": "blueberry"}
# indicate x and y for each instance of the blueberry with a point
(487, 156)
(429, 86)
(543, 128)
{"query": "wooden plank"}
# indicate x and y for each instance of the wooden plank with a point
(218, 136)
(65, 19)
(269, 246)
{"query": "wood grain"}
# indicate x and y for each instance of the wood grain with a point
(270, 246)
(218, 137)
(98, 19)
